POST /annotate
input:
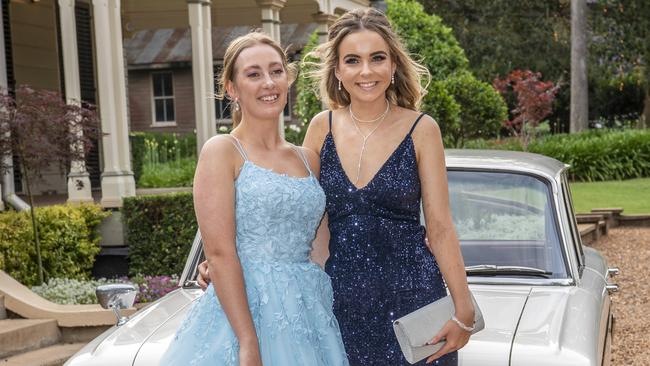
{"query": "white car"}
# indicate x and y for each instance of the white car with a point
(545, 298)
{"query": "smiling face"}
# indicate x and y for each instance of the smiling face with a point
(364, 66)
(260, 83)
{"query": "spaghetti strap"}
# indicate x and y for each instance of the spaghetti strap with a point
(330, 119)
(235, 141)
(302, 156)
(416, 123)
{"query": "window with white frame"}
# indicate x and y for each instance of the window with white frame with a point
(163, 98)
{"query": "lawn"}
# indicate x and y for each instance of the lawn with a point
(632, 195)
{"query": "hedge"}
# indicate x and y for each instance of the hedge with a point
(159, 231)
(69, 242)
(482, 112)
(595, 155)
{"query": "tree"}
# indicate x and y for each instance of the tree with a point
(464, 106)
(620, 47)
(532, 101)
(43, 131)
(307, 102)
(499, 36)
(482, 110)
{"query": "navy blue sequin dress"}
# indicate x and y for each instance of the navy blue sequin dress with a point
(380, 266)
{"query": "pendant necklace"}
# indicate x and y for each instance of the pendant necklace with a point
(354, 118)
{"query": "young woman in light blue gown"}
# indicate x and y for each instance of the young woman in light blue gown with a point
(258, 204)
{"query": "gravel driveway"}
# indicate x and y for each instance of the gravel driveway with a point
(629, 250)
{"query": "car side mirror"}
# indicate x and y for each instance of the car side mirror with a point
(116, 296)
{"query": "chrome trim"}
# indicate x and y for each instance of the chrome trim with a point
(189, 271)
(478, 280)
(559, 214)
(612, 288)
(613, 271)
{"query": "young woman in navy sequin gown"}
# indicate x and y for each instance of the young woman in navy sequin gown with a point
(379, 159)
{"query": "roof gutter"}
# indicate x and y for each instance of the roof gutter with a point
(8, 188)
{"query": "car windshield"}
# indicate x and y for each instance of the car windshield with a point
(506, 225)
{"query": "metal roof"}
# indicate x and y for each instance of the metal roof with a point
(173, 45)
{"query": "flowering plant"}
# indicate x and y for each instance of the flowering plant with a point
(72, 291)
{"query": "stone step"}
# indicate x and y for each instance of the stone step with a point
(55, 355)
(3, 310)
(22, 335)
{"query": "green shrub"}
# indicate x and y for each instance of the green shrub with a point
(600, 155)
(69, 242)
(150, 150)
(137, 153)
(71, 291)
(442, 106)
(463, 106)
(615, 97)
(159, 231)
(510, 143)
(425, 36)
(482, 112)
(68, 291)
(594, 155)
(308, 104)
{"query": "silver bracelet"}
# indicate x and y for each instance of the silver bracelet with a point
(461, 324)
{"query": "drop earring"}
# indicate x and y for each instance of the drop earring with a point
(236, 105)
(392, 79)
(339, 84)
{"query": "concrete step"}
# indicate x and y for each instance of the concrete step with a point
(49, 356)
(22, 335)
(3, 311)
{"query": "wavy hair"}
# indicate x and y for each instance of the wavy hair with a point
(407, 92)
(233, 51)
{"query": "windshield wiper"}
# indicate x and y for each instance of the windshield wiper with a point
(494, 270)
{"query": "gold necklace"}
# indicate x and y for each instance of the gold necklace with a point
(365, 137)
(357, 119)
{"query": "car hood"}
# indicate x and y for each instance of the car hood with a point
(121, 345)
(501, 308)
(523, 325)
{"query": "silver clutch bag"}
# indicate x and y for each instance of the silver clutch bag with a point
(414, 330)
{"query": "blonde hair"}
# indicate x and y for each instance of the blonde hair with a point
(233, 51)
(407, 92)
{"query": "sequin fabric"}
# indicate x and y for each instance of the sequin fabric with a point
(290, 297)
(380, 266)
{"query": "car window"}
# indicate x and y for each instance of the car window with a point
(572, 222)
(506, 219)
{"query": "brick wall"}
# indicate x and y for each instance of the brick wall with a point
(140, 101)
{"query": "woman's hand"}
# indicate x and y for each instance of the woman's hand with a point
(249, 354)
(455, 337)
(204, 275)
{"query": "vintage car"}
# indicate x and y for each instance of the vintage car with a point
(545, 298)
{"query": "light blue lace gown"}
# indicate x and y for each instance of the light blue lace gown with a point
(290, 297)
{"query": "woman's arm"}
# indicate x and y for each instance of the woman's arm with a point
(320, 244)
(441, 233)
(214, 203)
(316, 132)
